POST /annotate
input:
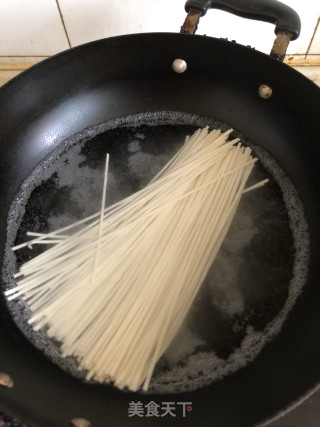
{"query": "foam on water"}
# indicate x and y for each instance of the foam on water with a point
(225, 328)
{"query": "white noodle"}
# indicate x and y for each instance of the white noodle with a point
(116, 291)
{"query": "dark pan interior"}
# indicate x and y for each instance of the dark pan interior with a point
(253, 282)
(128, 75)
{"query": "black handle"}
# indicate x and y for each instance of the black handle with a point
(285, 18)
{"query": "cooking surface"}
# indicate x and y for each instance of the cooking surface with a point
(245, 294)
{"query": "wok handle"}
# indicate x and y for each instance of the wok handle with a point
(283, 16)
(286, 20)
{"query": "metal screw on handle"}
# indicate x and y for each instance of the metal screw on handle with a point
(280, 45)
(191, 22)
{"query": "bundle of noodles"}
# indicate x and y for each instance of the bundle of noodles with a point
(116, 290)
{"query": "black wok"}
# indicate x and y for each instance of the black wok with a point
(121, 76)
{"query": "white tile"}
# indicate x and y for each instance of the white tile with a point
(87, 21)
(309, 11)
(31, 28)
(315, 46)
(34, 27)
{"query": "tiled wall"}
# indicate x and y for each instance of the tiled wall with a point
(37, 28)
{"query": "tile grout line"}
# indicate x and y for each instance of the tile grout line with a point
(48, 56)
(63, 23)
(312, 38)
(24, 56)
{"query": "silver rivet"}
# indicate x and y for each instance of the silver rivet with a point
(5, 380)
(179, 65)
(265, 91)
(80, 422)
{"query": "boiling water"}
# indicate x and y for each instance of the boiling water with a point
(253, 283)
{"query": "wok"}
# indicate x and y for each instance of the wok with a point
(122, 76)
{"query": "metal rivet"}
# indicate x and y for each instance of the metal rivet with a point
(179, 65)
(80, 422)
(265, 91)
(5, 380)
